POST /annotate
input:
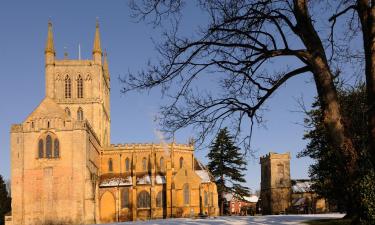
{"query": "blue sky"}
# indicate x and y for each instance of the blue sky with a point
(23, 26)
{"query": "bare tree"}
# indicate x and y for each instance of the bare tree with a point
(238, 47)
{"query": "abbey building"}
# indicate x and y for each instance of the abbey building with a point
(63, 167)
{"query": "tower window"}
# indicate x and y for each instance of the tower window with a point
(49, 147)
(56, 150)
(80, 114)
(40, 149)
(79, 87)
(68, 87)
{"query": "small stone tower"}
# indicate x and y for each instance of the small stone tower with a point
(275, 183)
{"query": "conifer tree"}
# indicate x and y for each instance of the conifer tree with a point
(227, 165)
(5, 202)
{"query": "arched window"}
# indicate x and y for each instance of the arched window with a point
(40, 149)
(186, 194)
(80, 114)
(144, 164)
(127, 164)
(143, 200)
(205, 198)
(67, 111)
(181, 162)
(160, 199)
(48, 146)
(161, 163)
(68, 87)
(79, 87)
(125, 198)
(56, 150)
(110, 165)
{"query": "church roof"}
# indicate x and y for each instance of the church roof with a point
(48, 108)
(203, 174)
(301, 186)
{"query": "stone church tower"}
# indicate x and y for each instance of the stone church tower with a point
(275, 184)
(55, 152)
(66, 78)
(64, 168)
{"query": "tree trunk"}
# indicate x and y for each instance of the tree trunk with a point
(367, 14)
(327, 92)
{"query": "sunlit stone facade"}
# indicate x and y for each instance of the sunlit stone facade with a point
(63, 167)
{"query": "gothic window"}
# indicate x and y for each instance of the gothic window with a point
(205, 198)
(212, 198)
(144, 164)
(67, 111)
(110, 165)
(56, 150)
(181, 162)
(40, 149)
(160, 199)
(143, 200)
(79, 87)
(125, 198)
(68, 87)
(186, 194)
(127, 164)
(80, 114)
(161, 163)
(49, 146)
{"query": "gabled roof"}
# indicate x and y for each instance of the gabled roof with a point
(48, 108)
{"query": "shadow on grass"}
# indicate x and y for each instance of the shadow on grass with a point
(329, 222)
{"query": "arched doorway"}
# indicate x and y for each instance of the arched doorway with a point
(107, 207)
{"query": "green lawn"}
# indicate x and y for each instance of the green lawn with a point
(329, 222)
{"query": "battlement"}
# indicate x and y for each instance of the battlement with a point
(130, 146)
(73, 62)
(273, 155)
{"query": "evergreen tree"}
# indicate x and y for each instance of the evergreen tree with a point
(327, 171)
(5, 202)
(226, 165)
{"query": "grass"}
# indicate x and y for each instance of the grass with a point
(329, 222)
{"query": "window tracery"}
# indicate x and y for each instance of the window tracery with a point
(68, 87)
(48, 146)
(79, 87)
(143, 200)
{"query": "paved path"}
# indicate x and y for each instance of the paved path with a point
(238, 220)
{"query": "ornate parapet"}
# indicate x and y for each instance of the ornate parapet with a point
(134, 146)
